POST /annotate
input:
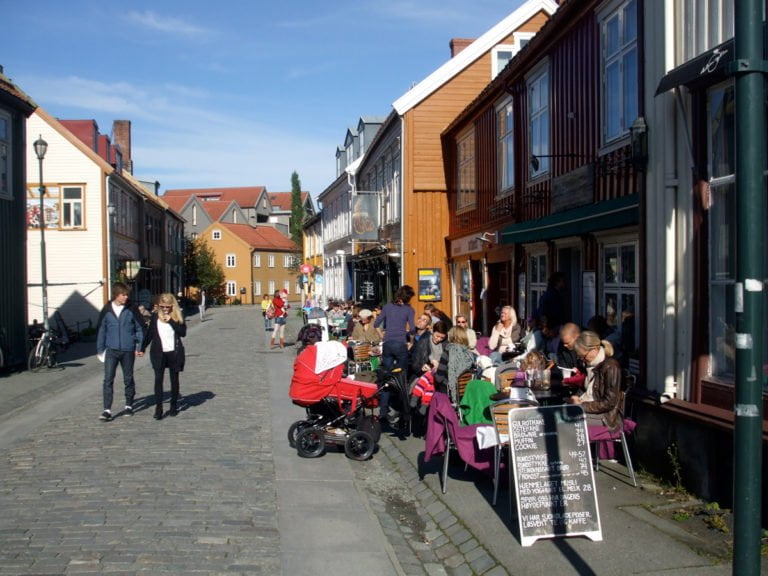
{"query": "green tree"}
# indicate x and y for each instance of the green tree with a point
(297, 211)
(210, 274)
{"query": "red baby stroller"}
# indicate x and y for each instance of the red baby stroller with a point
(339, 410)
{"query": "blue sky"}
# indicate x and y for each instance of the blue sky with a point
(232, 93)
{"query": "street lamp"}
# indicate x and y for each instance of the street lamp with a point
(41, 147)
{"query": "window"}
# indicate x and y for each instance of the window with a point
(234, 215)
(500, 57)
(287, 286)
(5, 156)
(193, 235)
(216, 235)
(72, 207)
(537, 272)
(271, 261)
(287, 260)
(466, 177)
(256, 260)
(722, 232)
(620, 290)
(271, 287)
(257, 287)
(194, 215)
(619, 69)
(63, 207)
(538, 110)
(505, 148)
(231, 288)
(231, 261)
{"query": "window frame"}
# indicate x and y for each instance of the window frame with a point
(621, 288)
(466, 171)
(54, 201)
(505, 139)
(537, 279)
(539, 118)
(231, 288)
(270, 260)
(231, 260)
(614, 128)
(216, 234)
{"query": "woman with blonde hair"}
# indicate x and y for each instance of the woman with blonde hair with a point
(455, 360)
(601, 399)
(166, 329)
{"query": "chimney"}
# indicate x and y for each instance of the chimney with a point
(458, 44)
(121, 136)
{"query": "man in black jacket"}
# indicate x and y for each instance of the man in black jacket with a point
(118, 341)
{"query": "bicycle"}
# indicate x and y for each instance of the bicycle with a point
(45, 346)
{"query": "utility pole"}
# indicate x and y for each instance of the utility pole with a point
(749, 70)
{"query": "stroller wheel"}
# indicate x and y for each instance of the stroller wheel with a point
(359, 446)
(294, 430)
(310, 442)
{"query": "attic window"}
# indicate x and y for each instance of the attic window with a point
(500, 56)
(216, 235)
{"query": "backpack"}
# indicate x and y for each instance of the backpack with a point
(271, 311)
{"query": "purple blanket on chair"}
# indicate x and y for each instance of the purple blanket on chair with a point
(442, 414)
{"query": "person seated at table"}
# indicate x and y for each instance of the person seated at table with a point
(550, 337)
(437, 315)
(455, 360)
(334, 311)
(423, 324)
(535, 360)
(424, 356)
(364, 330)
(602, 397)
(354, 319)
(566, 355)
(505, 334)
(462, 322)
(600, 326)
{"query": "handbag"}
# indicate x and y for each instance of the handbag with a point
(181, 356)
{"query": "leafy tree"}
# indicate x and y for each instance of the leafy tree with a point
(210, 274)
(297, 210)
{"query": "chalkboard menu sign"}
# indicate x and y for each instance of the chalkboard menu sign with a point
(552, 467)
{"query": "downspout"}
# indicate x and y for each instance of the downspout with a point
(109, 236)
(402, 201)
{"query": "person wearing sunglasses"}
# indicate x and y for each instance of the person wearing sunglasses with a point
(166, 329)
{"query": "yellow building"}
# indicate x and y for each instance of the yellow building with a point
(256, 260)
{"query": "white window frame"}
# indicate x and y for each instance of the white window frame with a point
(615, 123)
(287, 260)
(216, 235)
(257, 288)
(466, 181)
(539, 117)
(498, 63)
(70, 208)
(287, 286)
(271, 287)
(231, 288)
(194, 215)
(505, 147)
(615, 287)
(270, 261)
(6, 156)
(256, 260)
(703, 25)
(231, 260)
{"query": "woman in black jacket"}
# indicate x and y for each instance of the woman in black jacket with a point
(166, 329)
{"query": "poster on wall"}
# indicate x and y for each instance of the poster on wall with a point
(429, 285)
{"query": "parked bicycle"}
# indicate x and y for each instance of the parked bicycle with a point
(45, 346)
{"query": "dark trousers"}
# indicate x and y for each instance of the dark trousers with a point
(169, 361)
(393, 355)
(111, 360)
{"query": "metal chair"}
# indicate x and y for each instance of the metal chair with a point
(602, 434)
(500, 413)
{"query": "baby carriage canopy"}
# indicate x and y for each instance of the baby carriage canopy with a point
(317, 374)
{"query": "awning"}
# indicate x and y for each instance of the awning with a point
(707, 68)
(615, 213)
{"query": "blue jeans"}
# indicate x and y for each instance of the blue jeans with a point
(125, 360)
(267, 323)
(394, 354)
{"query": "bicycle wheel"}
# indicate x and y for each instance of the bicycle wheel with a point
(38, 356)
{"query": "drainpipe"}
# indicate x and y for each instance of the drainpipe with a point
(749, 69)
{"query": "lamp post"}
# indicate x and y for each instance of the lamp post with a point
(41, 147)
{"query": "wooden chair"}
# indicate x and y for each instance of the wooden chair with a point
(361, 358)
(500, 413)
(602, 434)
(461, 387)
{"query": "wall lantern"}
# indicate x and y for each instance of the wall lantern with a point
(639, 137)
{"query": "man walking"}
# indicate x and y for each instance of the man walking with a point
(202, 304)
(118, 340)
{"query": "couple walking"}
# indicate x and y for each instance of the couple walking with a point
(122, 336)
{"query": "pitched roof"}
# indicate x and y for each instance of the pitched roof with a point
(243, 195)
(177, 203)
(282, 200)
(16, 94)
(262, 237)
(471, 53)
(216, 208)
